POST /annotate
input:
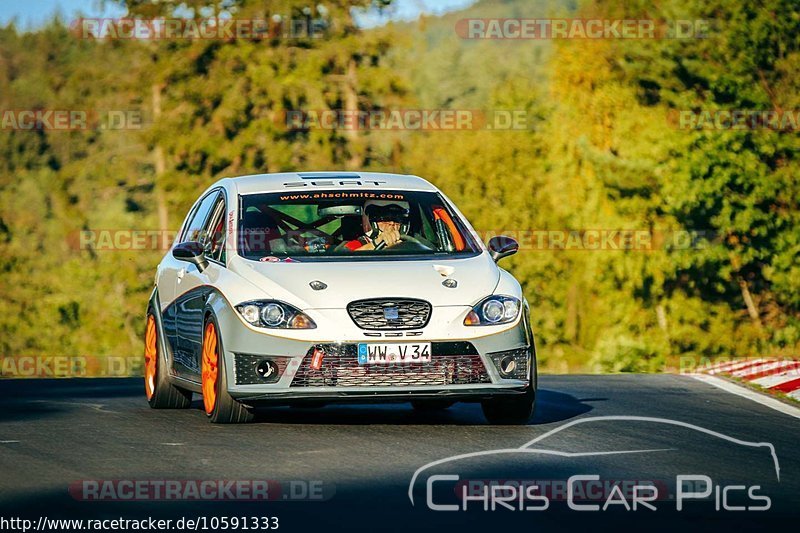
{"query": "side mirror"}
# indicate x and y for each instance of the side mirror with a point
(502, 246)
(191, 252)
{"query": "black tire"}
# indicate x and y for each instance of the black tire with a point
(432, 405)
(165, 394)
(226, 409)
(510, 411)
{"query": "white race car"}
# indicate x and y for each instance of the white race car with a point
(284, 289)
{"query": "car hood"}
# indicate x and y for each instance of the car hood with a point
(477, 277)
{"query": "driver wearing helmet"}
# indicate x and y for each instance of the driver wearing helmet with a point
(383, 226)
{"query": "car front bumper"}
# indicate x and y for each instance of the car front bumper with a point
(464, 363)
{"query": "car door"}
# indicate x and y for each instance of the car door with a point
(167, 280)
(180, 312)
(196, 287)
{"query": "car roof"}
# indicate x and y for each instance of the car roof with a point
(296, 181)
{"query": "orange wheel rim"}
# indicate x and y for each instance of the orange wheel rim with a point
(150, 356)
(210, 368)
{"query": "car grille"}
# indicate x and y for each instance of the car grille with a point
(453, 363)
(390, 313)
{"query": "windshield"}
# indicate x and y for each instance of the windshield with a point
(352, 224)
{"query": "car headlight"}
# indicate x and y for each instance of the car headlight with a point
(273, 314)
(494, 310)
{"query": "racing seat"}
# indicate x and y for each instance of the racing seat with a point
(216, 241)
(351, 228)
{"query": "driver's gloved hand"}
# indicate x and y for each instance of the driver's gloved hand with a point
(390, 237)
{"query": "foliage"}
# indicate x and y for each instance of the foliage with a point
(602, 151)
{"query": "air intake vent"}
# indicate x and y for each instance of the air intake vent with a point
(452, 363)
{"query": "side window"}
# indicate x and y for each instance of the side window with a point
(193, 231)
(214, 231)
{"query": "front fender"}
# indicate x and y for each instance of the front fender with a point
(228, 323)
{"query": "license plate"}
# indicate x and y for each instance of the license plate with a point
(394, 353)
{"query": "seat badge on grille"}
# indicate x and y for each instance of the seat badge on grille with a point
(391, 313)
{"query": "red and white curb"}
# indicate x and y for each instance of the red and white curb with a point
(774, 374)
(771, 374)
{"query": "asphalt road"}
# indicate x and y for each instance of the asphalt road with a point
(59, 436)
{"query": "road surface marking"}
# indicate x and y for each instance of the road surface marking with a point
(744, 392)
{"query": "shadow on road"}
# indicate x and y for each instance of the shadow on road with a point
(551, 406)
(36, 399)
(70, 388)
(554, 406)
(21, 399)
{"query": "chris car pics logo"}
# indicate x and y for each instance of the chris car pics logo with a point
(447, 490)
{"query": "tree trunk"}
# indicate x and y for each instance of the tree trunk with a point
(571, 323)
(752, 310)
(160, 166)
(661, 317)
(356, 159)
